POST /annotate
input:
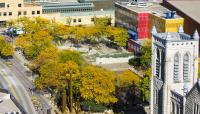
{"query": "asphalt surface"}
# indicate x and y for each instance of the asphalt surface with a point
(9, 80)
(19, 69)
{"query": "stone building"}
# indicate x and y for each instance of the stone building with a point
(174, 82)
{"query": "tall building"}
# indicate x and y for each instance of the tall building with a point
(174, 81)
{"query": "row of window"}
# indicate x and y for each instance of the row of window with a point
(79, 20)
(19, 13)
(185, 67)
(3, 5)
(66, 10)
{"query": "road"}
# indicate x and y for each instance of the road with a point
(20, 70)
(9, 80)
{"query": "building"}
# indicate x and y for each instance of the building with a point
(12, 9)
(67, 7)
(139, 18)
(85, 18)
(8, 104)
(190, 10)
(174, 82)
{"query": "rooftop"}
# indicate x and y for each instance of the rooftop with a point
(190, 8)
(6, 104)
(89, 13)
(154, 8)
(67, 5)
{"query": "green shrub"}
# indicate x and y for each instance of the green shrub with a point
(134, 62)
(92, 107)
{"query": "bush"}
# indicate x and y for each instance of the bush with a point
(92, 107)
(134, 62)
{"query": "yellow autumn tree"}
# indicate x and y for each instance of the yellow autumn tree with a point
(128, 78)
(6, 49)
(71, 70)
(50, 54)
(33, 44)
(52, 76)
(97, 84)
(32, 25)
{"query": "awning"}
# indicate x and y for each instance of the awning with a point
(133, 34)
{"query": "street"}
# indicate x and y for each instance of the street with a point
(9, 80)
(20, 71)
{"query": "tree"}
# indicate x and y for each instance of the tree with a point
(145, 85)
(52, 76)
(50, 54)
(97, 84)
(33, 44)
(69, 55)
(72, 73)
(32, 25)
(7, 50)
(117, 35)
(128, 78)
(145, 59)
(102, 21)
(2, 43)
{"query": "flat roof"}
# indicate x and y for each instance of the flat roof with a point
(154, 8)
(188, 7)
(7, 105)
(89, 13)
(135, 8)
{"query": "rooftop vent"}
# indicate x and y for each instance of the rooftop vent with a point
(169, 14)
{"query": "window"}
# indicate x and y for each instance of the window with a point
(177, 109)
(33, 12)
(176, 67)
(25, 13)
(38, 12)
(74, 20)
(156, 97)
(79, 20)
(173, 108)
(186, 67)
(8, 5)
(4, 14)
(0, 13)
(19, 13)
(2, 5)
(10, 13)
(196, 109)
(158, 63)
(19, 5)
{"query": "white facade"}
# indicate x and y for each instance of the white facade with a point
(174, 71)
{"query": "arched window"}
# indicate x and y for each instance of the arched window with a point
(158, 63)
(186, 67)
(176, 67)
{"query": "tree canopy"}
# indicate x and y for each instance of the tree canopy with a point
(33, 44)
(6, 49)
(97, 84)
(128, 78)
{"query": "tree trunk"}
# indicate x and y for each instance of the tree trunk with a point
(71, 94)
(78, 105)
(64, 98)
